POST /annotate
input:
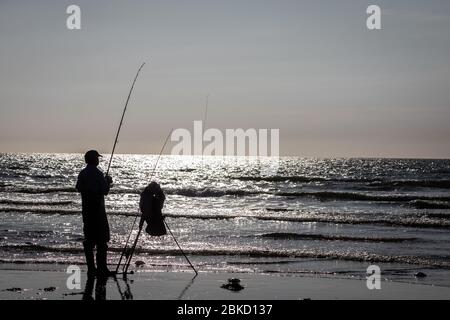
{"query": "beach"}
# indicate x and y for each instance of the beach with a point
(49, 283)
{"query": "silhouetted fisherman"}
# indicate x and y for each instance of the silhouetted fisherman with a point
(94, 186)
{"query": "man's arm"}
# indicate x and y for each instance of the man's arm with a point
(161, 198)
(106, 184)
(80, 183)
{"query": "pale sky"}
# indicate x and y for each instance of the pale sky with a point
(309, 68)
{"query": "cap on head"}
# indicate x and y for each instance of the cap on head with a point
(91, 157)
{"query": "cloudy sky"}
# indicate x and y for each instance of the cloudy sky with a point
(310, 68)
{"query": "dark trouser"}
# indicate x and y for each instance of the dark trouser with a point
(100, 256)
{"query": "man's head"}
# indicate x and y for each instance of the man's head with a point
(153, 188)
(91, 157)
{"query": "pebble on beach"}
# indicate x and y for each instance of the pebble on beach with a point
(14, 289)
(420, 275)
(233, 285)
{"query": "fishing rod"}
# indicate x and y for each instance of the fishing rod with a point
(130, 256)
(121, 119)
(124, 251)
(128, 259)
(160, 153)
(205, 115)
(206, 110)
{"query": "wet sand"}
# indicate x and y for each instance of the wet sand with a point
(44, 282)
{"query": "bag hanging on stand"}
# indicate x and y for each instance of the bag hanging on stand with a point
(151, 204)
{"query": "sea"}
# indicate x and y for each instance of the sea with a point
(313, 217)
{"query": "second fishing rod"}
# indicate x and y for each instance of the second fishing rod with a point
(121, 122)
(125, 252)
(129, 255)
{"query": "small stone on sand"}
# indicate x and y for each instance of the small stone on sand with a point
(420, 275)
(14, 289)
(233, 285)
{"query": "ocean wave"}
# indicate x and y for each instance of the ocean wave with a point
(328, 237)
(37, 190)
(426, 220)
(357, 196)
(422, 204)
(40, 190)
(249, 252)
(410, 221)
(26, 234)
(279, 209)
(36, 203)
(186, 192)
(373, 182)
(441, 184)
(279, 178)
(186, 170)
(60, 211)
(213, 193)
(445, 216)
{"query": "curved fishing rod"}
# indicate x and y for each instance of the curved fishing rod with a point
(206, 111)
(135, 219)
(160, 153)
(121, 119)
(128, 261)
(130, 256)
(205, 115)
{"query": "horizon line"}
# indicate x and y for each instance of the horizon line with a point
(107, 155)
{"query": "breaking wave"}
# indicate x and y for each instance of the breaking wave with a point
(210, 192)
(331, 195)
(305, 236)
(33, 210)
(423, 204)
(424, 220)
(442, 184)
(36, 203)
(187, 192)
(213, 193)
(37, 190)
(251, 252)
(288, 178)
(374, 182)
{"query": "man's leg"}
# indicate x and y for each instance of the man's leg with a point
(89, 253)
(89, 288)
(101, 260)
